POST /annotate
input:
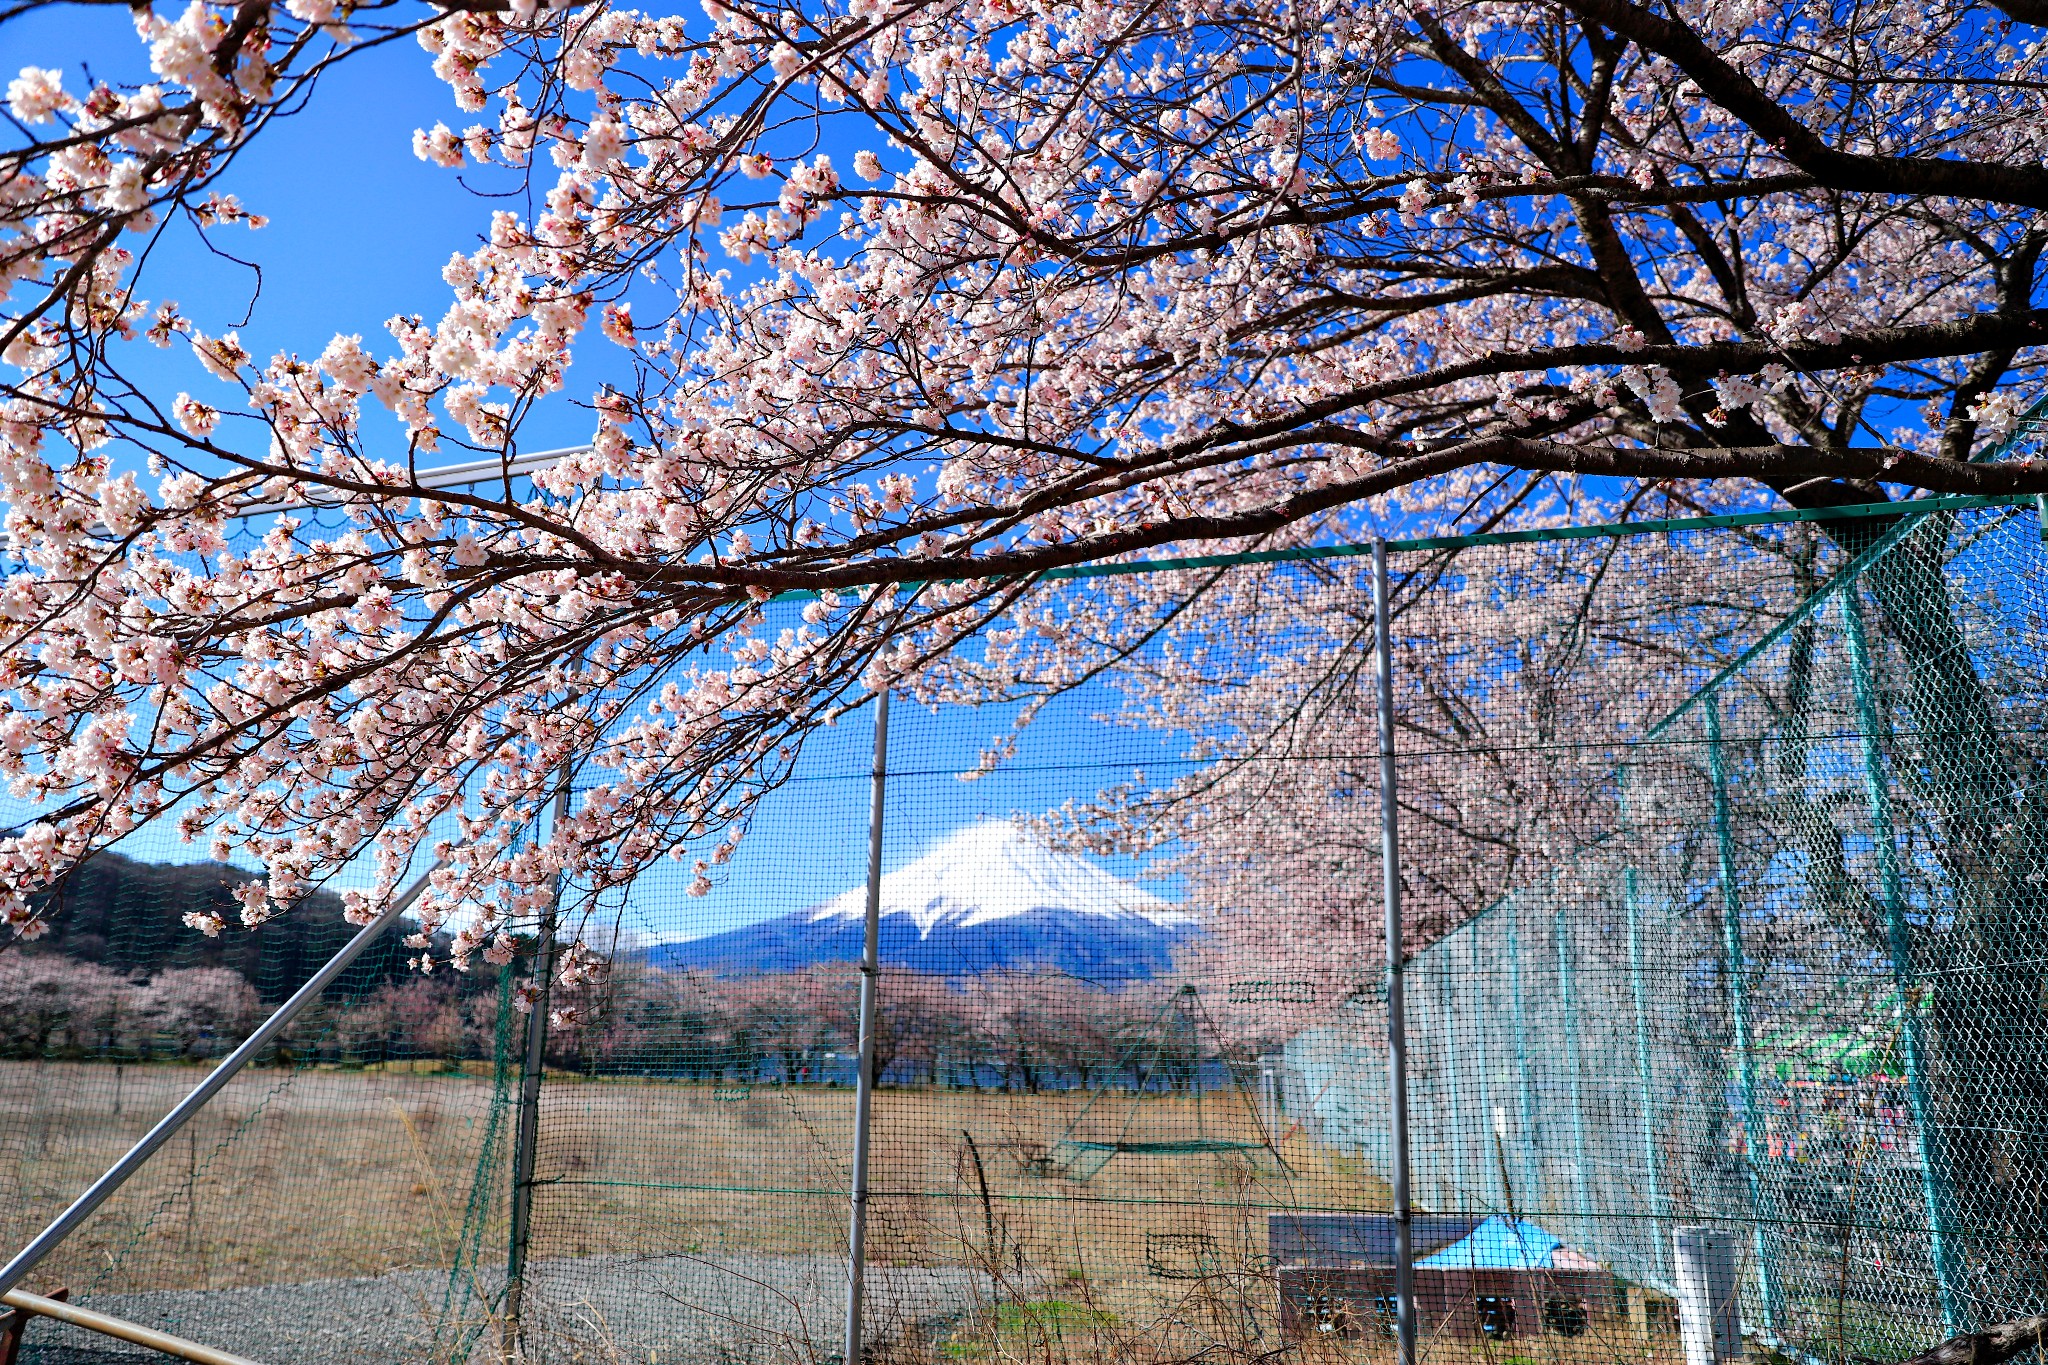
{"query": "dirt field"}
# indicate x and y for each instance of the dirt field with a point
(962, 1180)
(288, 1175)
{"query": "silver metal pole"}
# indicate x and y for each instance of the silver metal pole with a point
(864, 1080)
(1397, 1032)
(167, 1127)
(526, 1137)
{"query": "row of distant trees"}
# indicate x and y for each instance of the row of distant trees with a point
(1023, 1031)
(119, 975)
(58, 1007)
(53, 1006)
(1013, 1030)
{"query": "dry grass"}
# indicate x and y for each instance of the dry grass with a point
(665, 1168)
(287, 1176)
(328, 1174)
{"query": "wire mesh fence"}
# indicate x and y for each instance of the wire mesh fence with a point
(1723, 858)
(333, 1197)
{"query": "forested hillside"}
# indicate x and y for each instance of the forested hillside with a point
(129, 916)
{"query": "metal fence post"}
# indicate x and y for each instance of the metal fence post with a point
(1397, 1033)
(1644, 1077)
(526, 1133)
(1738, 1005)
(1448, 1050)
(864, 1079)
(1482, 1018)
(1899, 942)
(1569, 1000)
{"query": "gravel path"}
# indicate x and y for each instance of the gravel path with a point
(671, 1310)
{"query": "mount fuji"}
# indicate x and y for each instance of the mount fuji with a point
(989, 897)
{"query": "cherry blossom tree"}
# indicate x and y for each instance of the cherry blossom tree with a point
(919, 302)
(1521, 674)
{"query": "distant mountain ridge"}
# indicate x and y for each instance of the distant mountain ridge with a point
(989, 897)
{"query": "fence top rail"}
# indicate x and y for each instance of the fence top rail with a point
(2029, 422)
(1606, 530)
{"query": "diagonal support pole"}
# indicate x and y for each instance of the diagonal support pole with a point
(230, 1066)
(53, 1306)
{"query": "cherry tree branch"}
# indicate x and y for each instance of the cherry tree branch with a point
(1797, 142)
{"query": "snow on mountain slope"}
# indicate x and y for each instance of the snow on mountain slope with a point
(994, 870)
(988, 897)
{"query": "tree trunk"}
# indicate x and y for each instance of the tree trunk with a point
(1992, 1346)
(1982, 960)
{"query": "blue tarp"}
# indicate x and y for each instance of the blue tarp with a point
(1498, 1244)
(1336, 1239)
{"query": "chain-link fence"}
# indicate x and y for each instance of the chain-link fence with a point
(1796, 989)
(1721, 848)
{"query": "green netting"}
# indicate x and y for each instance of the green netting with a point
(1725, 851)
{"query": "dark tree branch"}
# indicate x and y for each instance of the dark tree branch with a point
(1992, 1346)
(2026, 11)
(2024, 186)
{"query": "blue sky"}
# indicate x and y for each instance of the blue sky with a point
(359, 227)
(809, 840)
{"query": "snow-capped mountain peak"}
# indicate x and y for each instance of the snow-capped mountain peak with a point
(990, 897)
(996, 870)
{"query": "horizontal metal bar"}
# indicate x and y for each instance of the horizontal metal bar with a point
(1604, 531)
(1664, 526)
(106, 1324)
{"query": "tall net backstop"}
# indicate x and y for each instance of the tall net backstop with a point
(1724, 856)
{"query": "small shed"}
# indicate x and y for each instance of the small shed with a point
(1475, 1276)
